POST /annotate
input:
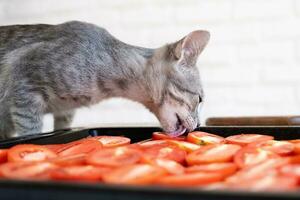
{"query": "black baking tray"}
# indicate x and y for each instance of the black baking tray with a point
(51, 190)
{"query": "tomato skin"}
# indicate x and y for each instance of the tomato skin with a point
(204, 155)
(297, 148)
(138, 174)
(29, 152)
(203, 138)
(82, 173)
(164, 136)
(249, 156)
(114, 157)
(245, 139)
(79, 147)
(111, 141)
(225, 169)
(27, 170)
(282, 148)
(192, 179)
(3, 155)
(54, 147)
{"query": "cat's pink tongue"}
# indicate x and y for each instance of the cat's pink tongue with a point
(181, 130)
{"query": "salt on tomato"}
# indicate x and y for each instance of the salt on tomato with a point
(245, 139)
(164, 136)
(203, 138)
(29, 152)
(249, 156)
(225, 169)
(192, 179)
(27, 170)
(114, 157)
(79, 147)
(212, 154)
(140, 174)
(3, 155)
(81, 173)
(111, 141)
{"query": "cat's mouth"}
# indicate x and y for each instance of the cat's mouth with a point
(180, 128)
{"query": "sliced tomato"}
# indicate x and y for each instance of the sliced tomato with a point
(267, 167)
(135, 174)
(112, 141)
(266, 183)
(69, 160)
(203, 138)
(81, 173)
(170, 166)
(245, 139)
(249, 156)
(282, 148)
(114, 157)
(26, 170)
(212, 154)
(186, 146)
(294, 159)
(292, 170)
(192, 179)
(54, 147)
(29, 152)
(3, 155)
(170, 152)
(225, 169)
(79, 147)
(164, 136)
(297, 148)
(152, 143)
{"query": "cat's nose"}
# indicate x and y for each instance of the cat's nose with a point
(198, 124)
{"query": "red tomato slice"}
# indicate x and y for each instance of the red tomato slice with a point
(267, 167)
(186, 146)
(170, 166)
(29, 152)
(164, 136)
(111, 141)
(294, 159)
(266, 183)
(3, 155)
(244, 139)
(192, 179)
(282, 148)
(140, 174)
(81, 173)
(297, 148)
(79, 147)
(249, 156)
(152, 143)
(291, 170)
(202, 138)
(166, 152)
(26, 170)
(77, 159)
(54, 147)
(225, 169)
(212, 154)
(114, 157)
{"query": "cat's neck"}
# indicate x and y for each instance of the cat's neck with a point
(126, 78)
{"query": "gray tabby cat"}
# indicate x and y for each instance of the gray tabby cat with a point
(58, 68)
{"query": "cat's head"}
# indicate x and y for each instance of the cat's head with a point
(174, 86)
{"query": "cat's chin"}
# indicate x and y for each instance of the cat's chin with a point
(181, 130)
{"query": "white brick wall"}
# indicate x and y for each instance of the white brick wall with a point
(251, 66)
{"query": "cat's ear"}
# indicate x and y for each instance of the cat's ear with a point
(190, 47)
